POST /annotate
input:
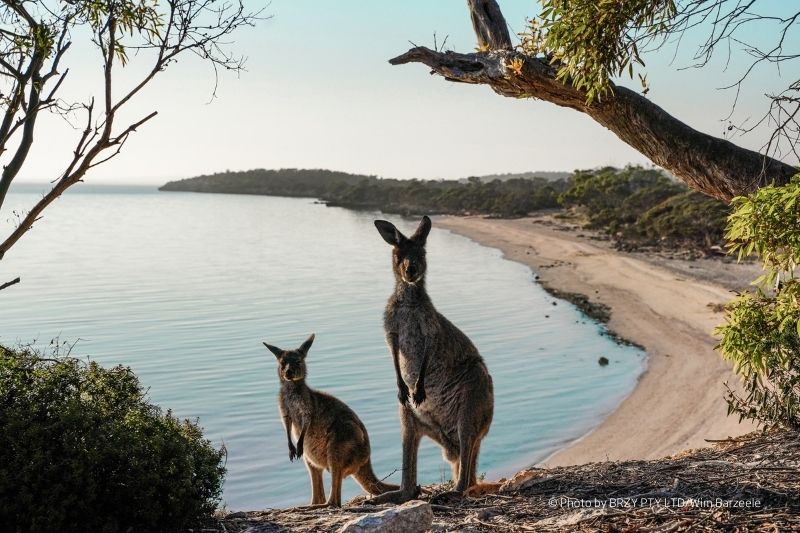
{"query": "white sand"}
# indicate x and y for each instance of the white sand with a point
(678, 401)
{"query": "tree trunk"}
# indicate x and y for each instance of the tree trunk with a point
(707, 164)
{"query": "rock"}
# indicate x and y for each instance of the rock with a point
(237, 514)
(603, 361)
(412, 517)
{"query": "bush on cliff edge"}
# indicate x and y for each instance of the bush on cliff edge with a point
(761, 334)
(81, 449)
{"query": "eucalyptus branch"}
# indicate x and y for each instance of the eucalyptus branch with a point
(577, 42)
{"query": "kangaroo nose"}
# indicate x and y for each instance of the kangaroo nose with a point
(411, 270)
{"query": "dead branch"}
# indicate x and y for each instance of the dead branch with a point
(10, 283)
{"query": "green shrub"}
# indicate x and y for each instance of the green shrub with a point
(612, 196)
(761, 335)
(81, 449)
(688, 217)
(643, 206)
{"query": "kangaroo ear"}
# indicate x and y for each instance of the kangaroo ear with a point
(421, 235)
(389, 233)
(306, 345)
(274, 349)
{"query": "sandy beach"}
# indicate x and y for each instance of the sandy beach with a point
(665, 305)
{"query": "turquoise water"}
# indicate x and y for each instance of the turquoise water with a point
(184, 287)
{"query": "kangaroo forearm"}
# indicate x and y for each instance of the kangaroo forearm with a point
(395, 349)
(302, 437)
(398, 375)
(287, 424)
(422, 369)
(419, 387)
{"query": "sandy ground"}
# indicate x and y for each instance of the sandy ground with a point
(659, 303)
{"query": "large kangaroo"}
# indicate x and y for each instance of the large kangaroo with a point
(452, 400)
(329, 434)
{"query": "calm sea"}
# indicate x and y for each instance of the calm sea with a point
(184, 287)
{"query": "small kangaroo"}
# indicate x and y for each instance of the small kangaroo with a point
(452, 401)
(329, 434)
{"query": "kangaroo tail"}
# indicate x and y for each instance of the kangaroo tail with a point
(369, 481)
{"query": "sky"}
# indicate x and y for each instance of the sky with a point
(319, 92)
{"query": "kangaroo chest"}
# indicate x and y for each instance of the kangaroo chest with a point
(415, 332)
(297, 407)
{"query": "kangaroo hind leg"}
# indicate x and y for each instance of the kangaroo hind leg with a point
(476, 448)
(317, 487)
(467, 459)
(335, 498)
(411, 436)
(450, 455)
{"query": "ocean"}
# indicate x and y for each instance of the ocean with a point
(184, 287)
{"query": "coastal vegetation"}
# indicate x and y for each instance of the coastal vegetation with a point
(82, 449)
(644, 207)
(508, 197)
(761, 335)
(636, 206)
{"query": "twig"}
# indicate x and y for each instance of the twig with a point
(393, 472)
(10, 283)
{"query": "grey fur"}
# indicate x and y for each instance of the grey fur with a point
(329, 435)
(452, 396)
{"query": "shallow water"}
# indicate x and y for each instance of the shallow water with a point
(184, 287)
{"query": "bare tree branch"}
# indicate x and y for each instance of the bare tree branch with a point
(10, 283)
(196, 26)
(740, 24)
(11, 170)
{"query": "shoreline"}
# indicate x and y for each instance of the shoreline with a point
(667, 306)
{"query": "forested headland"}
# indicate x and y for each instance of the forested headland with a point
(635, 206)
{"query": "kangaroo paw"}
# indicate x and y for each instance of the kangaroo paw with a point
(419, 396)
(402, 393)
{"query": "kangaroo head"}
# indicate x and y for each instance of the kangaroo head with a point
(292, 363)
(408, 253)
